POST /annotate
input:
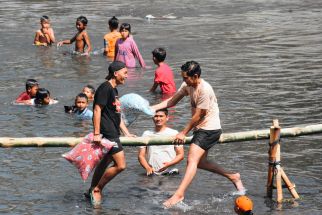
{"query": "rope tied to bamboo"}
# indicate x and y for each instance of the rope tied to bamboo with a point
(274, 163)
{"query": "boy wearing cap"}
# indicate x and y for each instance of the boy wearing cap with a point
(243, 205)
(107, 123)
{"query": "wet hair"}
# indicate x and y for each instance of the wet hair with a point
(44, 18)
(191, 68)
(81, 95)
(92, 89)
(30, 83)
(159, 54)
(82, 19)
(41, 94)
(125, 26)
(164, 110)
(113, 23)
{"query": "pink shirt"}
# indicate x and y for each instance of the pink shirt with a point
(127, 51)
(164, 77)
(23, 97)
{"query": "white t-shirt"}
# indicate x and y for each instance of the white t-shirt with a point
(157, 155)
(203, 97)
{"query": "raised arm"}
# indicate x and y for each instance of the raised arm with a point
(51, 35)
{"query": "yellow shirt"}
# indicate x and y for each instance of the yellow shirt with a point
(109, 43)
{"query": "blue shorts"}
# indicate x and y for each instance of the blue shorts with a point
(206, 139)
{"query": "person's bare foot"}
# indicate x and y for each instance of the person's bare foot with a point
(173, 201)
(96, 197)
(235, 178)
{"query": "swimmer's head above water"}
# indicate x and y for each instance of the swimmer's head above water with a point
(32, 87)
(42, 97)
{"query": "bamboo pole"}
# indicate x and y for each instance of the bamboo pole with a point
(270, 174)
(290, 186)
(279, 175)
(275, 166)
(274, 156)
(142, 141)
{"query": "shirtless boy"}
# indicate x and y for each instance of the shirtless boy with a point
(44, 36)
(81, 37)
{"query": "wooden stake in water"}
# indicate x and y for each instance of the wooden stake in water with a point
(274, 168)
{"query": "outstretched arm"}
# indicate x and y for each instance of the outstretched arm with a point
(67, 41)
(169, 102)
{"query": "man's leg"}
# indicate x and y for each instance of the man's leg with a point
(100, 169)
(109, 174)
(195, 153)
(215, 168)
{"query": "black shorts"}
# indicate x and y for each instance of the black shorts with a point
(115, 149)
(206, 138)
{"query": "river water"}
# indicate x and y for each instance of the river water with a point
(263, 58)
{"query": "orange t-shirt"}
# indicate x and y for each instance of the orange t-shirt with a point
(109, 43)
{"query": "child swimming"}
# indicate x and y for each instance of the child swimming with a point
(111, 37)
(31, 89)
(42, 98)
(81, 38)
(89, 91)
(45, 35)
(126, 49)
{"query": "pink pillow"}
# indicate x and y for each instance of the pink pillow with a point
(86, 155)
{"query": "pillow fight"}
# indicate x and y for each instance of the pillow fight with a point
(101, 150)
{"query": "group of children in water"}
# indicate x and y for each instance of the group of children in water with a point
(34, 95)
(119, 45)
